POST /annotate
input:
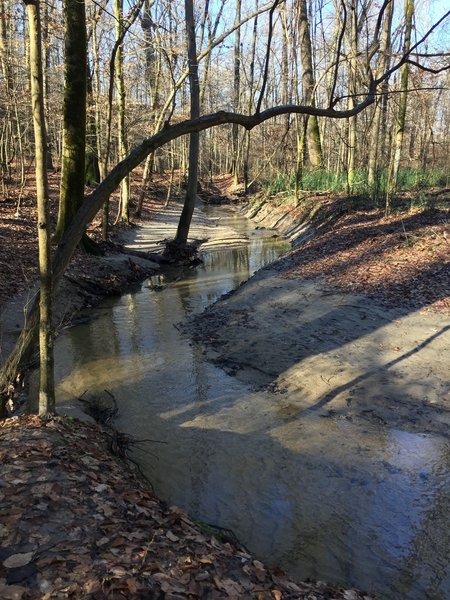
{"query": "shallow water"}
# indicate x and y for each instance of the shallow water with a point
(323, 498)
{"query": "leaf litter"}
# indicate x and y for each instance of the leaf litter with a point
(76, 523)
(402, 259)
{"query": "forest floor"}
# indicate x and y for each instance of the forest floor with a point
(78, 525)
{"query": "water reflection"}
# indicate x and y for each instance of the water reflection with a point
(319, 496)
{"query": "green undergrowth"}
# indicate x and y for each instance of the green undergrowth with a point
(322, 180)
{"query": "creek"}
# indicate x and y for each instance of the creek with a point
(322, 498)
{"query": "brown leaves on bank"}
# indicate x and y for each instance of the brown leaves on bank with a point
(404, 260)
(74, 523)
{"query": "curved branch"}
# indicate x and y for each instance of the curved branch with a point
(428, 69)
(95, 200)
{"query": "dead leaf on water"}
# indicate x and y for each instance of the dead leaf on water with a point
(18, 560)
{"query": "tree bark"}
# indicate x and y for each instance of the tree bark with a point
(374, 144)
(120, 86)
(352, 122)
(74, 115)
(308, 84)
(236, 95)
(194, 138)
(46, 374)
(246, 166)
(401, 114)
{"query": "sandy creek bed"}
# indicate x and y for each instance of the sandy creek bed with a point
(311, 423)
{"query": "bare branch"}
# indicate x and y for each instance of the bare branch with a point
(332, 103)
(405, 57)
(376, 42)
(428, 69)
(266, 62)
(427, 55)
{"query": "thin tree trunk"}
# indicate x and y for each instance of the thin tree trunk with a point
(401, 114)
(236, 95)
(251, 103)
(374, 144)
(352, 122)
(194, 138)
(46, 371)
(120, 86)
(308, 84)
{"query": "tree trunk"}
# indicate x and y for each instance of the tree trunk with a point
(251, 86)
(374, 144)
(401, 114)
(194, 138)
(120, 85)
(74, 115)
(46, 374)
(352, 122)
(236, 95)
(92, 170)
(308, 84)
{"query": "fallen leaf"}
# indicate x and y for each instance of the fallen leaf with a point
(230, 587)
(92, 586)
(12, 592)
(172, 537)
(18, 560)
(132, 585)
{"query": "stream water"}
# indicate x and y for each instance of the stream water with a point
(320, 497)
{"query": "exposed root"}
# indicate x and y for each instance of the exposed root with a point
(182, 253)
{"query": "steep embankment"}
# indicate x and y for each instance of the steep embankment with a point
(401, 260)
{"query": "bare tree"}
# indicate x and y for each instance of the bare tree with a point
(194, 138)
(46, 375)
(401, 114)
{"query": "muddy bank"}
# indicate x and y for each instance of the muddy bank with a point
(297, 222)
(86, 283)
(341, 356)
(295, 328)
